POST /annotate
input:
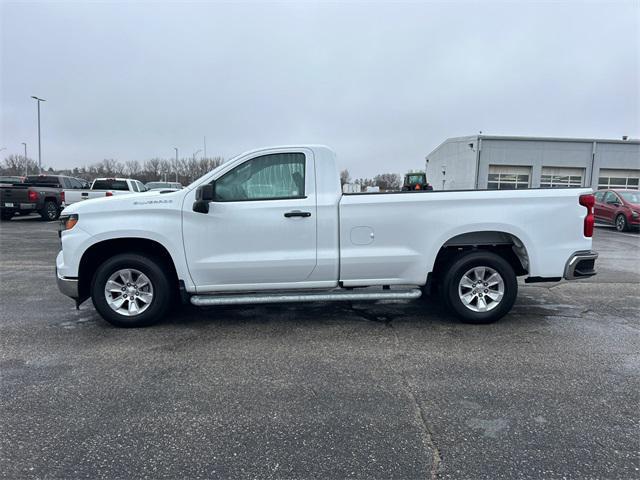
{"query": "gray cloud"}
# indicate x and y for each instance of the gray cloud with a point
(382, 83)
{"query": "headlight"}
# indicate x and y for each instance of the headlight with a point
(67, 222)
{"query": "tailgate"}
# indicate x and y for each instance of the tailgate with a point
(12, 196)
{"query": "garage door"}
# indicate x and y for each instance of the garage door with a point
(508, 177)
(617, 178)
(561, 177)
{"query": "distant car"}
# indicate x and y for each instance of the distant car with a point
(163, 186)
(104, 187)
(620, 208)
(43, 194)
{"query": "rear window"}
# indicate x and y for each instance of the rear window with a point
(110, 184)
(43, 180)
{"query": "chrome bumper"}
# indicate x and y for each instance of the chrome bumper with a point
(68, 286)
(581, 265)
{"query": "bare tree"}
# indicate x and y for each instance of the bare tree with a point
(19, 165)
(152, 168)
(388, 181)
(132, 168)
(344, 177)
(365, 182)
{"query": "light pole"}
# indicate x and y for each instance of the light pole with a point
(26, 162)
(176, 165)
(38, 100)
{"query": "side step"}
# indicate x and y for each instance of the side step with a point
(333, 296)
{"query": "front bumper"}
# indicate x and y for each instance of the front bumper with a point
(581, 265)
(68, 286)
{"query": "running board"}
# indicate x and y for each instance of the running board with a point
(345, 295)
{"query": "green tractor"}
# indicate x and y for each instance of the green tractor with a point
(415, 181)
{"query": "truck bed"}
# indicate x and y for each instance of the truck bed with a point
(411, 227)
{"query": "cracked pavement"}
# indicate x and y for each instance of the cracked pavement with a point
(385, 390)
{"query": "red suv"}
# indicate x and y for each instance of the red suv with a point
(618, 207)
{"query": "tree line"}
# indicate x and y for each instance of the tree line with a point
(183, 170)
(386, 181)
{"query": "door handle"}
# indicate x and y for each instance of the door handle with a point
(297, 213)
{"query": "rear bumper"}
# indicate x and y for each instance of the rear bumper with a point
(581, 265)
(17, 207)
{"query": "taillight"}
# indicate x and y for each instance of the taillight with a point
(108, 194)
(588, 201)
(61, 197)
(32, 195)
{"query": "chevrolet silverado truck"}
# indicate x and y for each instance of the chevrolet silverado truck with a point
(43, 194)
(273, 226)
(104, 187)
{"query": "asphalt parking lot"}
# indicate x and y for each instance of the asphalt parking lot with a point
(387, 390)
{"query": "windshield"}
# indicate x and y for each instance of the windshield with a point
(631, 197)
(110, 184)
(417, 178)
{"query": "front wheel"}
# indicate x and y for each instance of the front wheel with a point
(621, 223)
(131, 290)
(480, 287)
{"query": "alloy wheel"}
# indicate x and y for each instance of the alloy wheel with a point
(128, 292)
(481, 289)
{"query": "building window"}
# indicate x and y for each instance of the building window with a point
(505, 177)
(624, 179)
(560, 177)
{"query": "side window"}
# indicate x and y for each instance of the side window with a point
(134, 186)
(275, 176)
(610, 197)
(599, 196)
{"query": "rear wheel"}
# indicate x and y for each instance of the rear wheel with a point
(6, 216)
(50, 211)
(480, 287)
(621, 223)
(131, 290)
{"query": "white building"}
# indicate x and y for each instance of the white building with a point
(497, 162)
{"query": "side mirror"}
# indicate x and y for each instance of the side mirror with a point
(204, 195)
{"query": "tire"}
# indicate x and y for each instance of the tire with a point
(141, 270)
(621, 223)
(50, 211)
(496, 295)
(5, 217)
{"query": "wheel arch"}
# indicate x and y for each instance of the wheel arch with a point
(506, 244)
(97, 253)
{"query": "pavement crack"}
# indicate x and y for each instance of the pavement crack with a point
(426, 430)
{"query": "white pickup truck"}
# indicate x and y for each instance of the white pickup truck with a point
(272, 225)
(104, 187)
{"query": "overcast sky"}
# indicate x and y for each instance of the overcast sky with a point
(381, 83)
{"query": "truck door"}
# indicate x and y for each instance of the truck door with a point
(261, 227)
